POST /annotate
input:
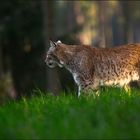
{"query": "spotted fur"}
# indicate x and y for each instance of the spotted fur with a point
(94, 67)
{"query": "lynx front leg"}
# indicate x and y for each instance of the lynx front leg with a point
(88, 92)
(83, 89)
(79, 91)
(90, 89)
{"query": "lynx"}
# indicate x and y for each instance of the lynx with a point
(93, 67)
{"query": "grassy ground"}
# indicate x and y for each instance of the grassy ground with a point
(113, 114)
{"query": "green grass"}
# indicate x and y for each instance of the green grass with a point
(113, 114)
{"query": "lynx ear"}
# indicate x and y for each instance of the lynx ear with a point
(53, 44)
(59, 41)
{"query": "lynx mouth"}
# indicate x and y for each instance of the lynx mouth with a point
(51, 65)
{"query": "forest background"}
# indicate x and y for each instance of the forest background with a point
(27, 26)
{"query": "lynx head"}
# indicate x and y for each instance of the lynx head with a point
(56, 55)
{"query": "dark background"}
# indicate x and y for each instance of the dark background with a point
(27, 25)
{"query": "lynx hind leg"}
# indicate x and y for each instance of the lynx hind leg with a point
(127, 89)
(138, 82)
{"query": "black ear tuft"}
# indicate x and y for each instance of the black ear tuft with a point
(52, 44)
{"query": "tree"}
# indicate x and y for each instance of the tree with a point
(53, 80)
(22, 45)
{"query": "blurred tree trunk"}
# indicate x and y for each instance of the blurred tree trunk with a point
(71, 21)
(136, 31)
(53, 81)
(136, 20)
(127, 26)
(105, 29)
(6, 83)
(101, 24)
(1, 69)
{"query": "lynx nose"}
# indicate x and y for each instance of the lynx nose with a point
(45, 61)
(47, 58)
